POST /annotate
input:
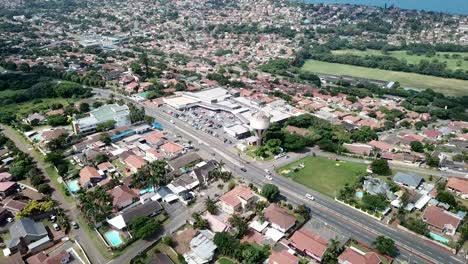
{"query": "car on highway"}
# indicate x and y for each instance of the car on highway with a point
(268, 171)
(309, 196)
(268, 177)
(243, 169)
(172, 121)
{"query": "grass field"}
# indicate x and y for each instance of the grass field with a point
(452, 63)
(324, 175)
(38, 105)
(224, 260)
(411, 80)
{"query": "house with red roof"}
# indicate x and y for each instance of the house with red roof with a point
(309, 244)
(5, 176)
(358, 148)
(352, 255)
(279, 218)
(134, 162)
(122, 196)
(282, 257)
(89, 176)
(441, 221)
(7, 188)
(106, 168)
(433, 134)
(238, 200)
(459, 186)
(171, 149)
(153, 137)
(351, 119)
(380, 145)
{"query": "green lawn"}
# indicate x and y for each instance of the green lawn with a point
(225, 260)
(324, 175)
(411, 80)
(452, 63)
(38, 105)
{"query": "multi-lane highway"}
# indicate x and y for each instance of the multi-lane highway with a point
(346, 220)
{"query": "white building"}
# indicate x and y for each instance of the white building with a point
(111, 112)
(202, 248)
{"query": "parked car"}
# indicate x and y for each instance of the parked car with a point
(53, 218)
(74, 225)
(56, 227)
(310, 197)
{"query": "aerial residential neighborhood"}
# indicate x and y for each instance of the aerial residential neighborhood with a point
(272, 131)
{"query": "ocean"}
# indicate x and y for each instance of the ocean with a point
(446, 6)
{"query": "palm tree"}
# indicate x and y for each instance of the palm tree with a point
(211, 206)
(333, 251)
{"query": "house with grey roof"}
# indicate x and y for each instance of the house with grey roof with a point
(375, 186)
(202, 248)
(409, 180)
(201, 170)
(27, 236)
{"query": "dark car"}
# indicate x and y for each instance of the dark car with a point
(243, 169)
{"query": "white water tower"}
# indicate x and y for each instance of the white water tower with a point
(259, 123)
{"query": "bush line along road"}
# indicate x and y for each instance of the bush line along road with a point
(346, 220)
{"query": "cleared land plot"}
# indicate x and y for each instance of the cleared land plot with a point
(411, 80)
(453, 63)
(324, 175)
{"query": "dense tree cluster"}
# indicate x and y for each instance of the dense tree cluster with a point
(245, 253)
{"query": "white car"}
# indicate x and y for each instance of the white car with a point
(172, 121)
(310, 197)
(268, 177)
(56, 227)
(268, 171)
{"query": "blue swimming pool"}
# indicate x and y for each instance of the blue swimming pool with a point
(359, 194)
(147, 190)
(113, 237)
(439, 238)
(73, 186)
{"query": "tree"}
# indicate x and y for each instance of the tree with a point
(167, 240)
(57, 120)
(417, 146)
(375, 202)
(302, 210)
(270, 191)
(211, 206)
(385, 246)
(143, 227)
(294, 142)
(97, 104)
(239, 224)
(365, 134)
(44, 188)
(333, 251)
(96, 205)
(446, 197)
(84, 107)
(226, 244)
(105, 126)
(381, 167)
(200, 223)
(432, 161)
(136, 114)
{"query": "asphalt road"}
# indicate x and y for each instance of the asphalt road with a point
(345, 219)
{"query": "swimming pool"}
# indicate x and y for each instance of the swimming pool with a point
(147, 190)
(359, 194)
(73, 186)
(438, 238)
(113, 237)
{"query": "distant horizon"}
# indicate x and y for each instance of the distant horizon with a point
(459, 7)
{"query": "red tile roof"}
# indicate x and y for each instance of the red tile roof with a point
(232, 197)
(439, 218)
(306, 241)
(380, 145)
(282, 257)
(458, 184)
(135, 161)
(351, 256)
(5, 185)
(171, 148)
(87, 173)
(121, 194)
(279, 216)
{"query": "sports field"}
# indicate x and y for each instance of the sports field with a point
(454, 60)
(410, 80)
(324, 175)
